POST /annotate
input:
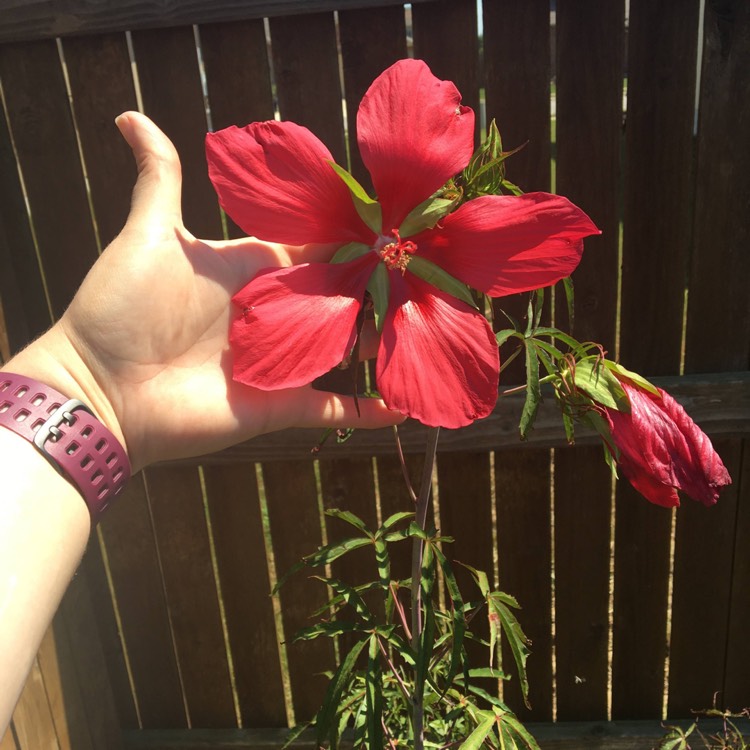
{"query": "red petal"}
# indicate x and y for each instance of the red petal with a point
(503, 244)
(414, 135)
(274, 180)
(663, 450)
(295, 324)
(438, 359)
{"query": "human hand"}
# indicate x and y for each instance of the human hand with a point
(145, 340)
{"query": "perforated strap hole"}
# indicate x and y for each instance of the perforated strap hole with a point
(21, 415)
(118, 474)
(4, 385)
(39, 399)
(4, 407)
(97, 477)
(111, 460)
(86, 432)
(37, 424)
(86, 462)
(72, 448)
(103, 492)
(22, 391)
(101, 446)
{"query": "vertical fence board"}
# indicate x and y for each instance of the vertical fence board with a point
(172, 96)
(306, 71)
(56, 663)
(517, 87)
(524, 550)
(372, 39)
(184, 550)
(295, 527)
(238, 78)
(136, 576)
(232, 493)
(32, 718)
(445, 37)
(706, 555)
(658, 145)
(101, 85)
(582, 541)
(589, 125)
(736, 687)
(44, 135)
(21, 289)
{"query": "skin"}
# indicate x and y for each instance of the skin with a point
(144, 344)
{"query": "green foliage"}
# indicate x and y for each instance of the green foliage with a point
(728, 738)
(372, 693)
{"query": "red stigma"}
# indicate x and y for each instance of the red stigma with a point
(396, 255)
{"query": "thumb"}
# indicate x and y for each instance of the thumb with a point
(157, 190)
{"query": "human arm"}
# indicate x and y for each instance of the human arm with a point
(144, 344)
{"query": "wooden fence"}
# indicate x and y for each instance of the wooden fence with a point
(634, 612)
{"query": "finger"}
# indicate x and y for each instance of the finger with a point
(323, 409)
(157, 191)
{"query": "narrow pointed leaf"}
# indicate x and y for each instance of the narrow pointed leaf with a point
(433, 274)
(348, 517)
(533, 392)
(517, 641)
(391, 521)
(350, 251)
(476, 739)
(639, 380)
(600, 384)
(374, 695)
(367, 208)
(331, 552)
(425, 216)
(379, 287)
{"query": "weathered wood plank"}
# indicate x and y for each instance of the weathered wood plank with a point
(169, 77)
(234, 508)
(589, 72)
(662, 42)
(45, 140)
(40, 19)
(709, 553)
(101, 84)
(179, 519)
(635, 735)
(294, 519)
(21, 288)
(306, 72)
(32, 718)
(134, 566)
(719, 403)
(372, 39)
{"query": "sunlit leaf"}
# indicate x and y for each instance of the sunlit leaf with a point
(433, 274)
(349, 252)
(426, 215)
(367, 208)
(348, 517)
(533, 392)
(476, 739)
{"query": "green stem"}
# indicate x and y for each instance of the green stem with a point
(422, 506)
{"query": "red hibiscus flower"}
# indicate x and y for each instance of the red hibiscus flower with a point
(438, 359)
(661, 450)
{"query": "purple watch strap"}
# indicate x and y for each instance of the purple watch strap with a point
(69, 436)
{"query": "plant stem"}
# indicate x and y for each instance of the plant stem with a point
(422, 506)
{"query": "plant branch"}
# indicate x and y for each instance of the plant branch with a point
(404, 470)
(401, 613)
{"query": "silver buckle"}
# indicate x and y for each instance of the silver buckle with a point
(50, 430)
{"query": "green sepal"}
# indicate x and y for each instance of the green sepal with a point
(379, 287)
(432, 274)
(426, 215)
(367, 208)
(600, 384)
(639, 380)
(349, 252)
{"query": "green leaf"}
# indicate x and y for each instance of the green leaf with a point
(476, 739)
(367, 208)
(348, 517)
(294, 733)
(567, 283)
(481, 579)
(533, 392)
(520, 730)
(517, 640)
(374, 695)
(331, 552)
(349, 252)
(459, 621)
(328, 629)
(505, 334)
(379, 287)
(383, 561)
(391, 521)
(350, 595)
(426, 215)
(639, 380)
(436, 276)
(324, 721)
(600, 384)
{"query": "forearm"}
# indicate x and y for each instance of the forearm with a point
(44, 527)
